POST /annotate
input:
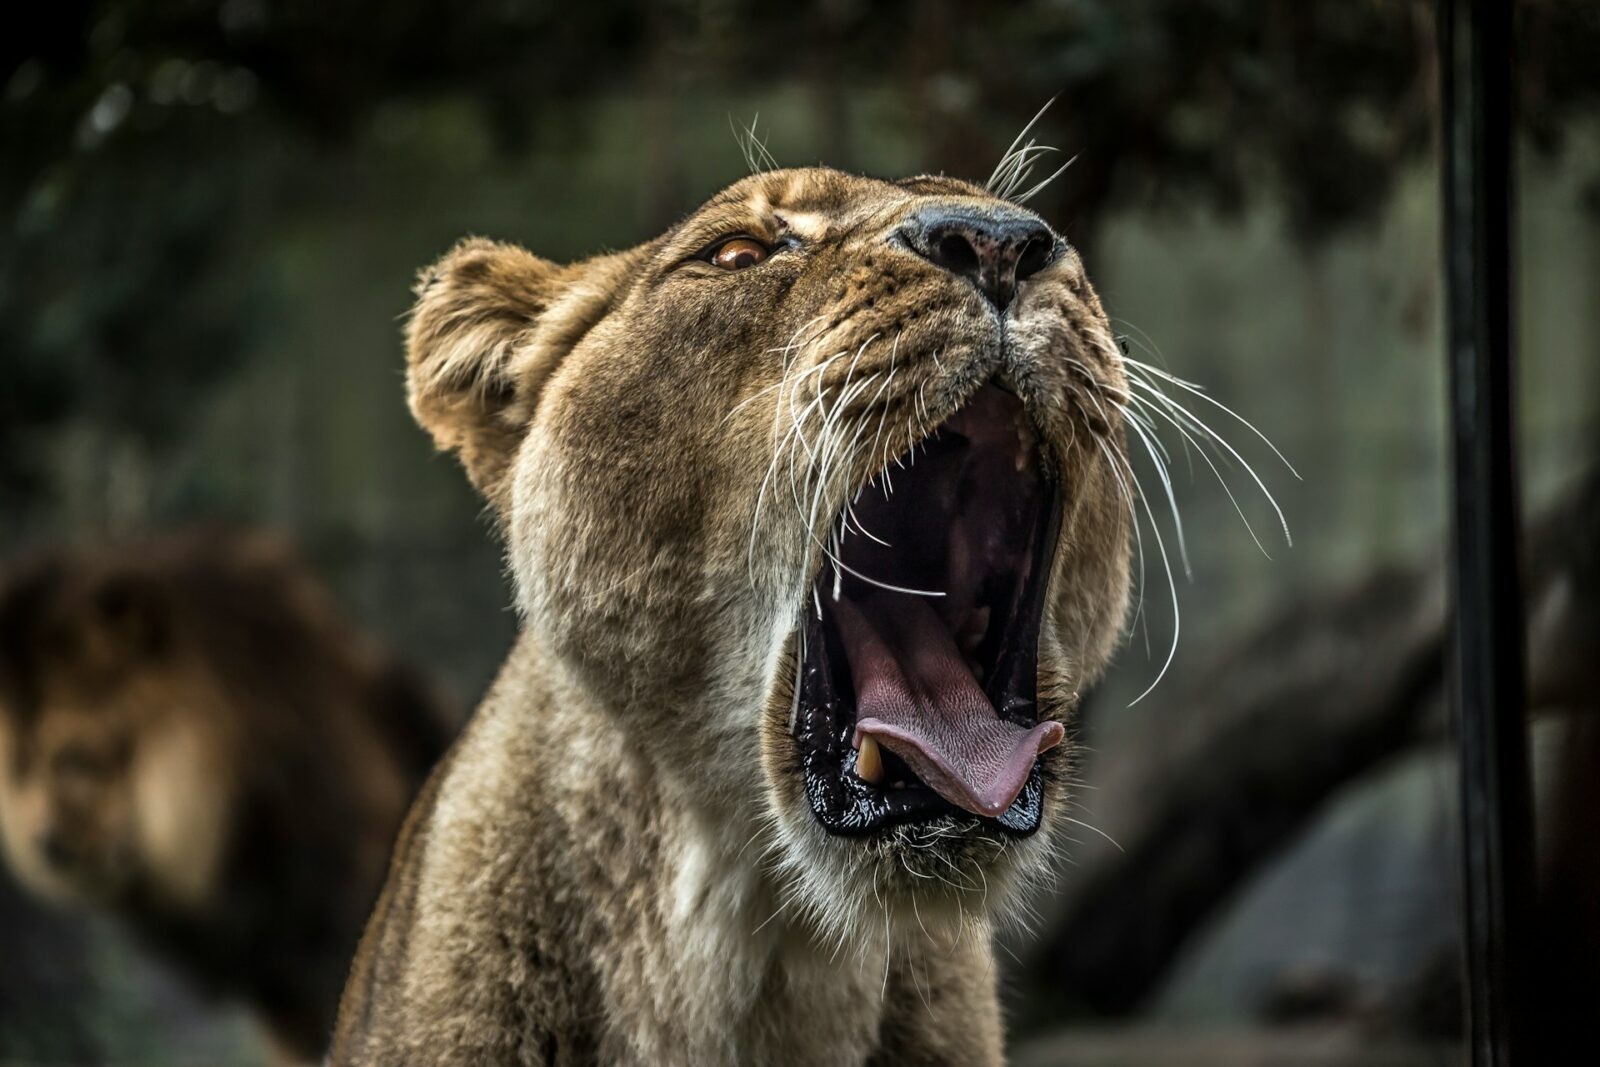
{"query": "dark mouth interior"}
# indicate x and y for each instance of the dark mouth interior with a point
(912, 705)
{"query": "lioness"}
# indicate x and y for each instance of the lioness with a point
(813, 509)
(192, 739)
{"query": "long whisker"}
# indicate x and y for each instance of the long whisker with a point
(783, 446)
(820, 463)
(1034, 190)
(756, 156)
(830, 418)
(1282, 521)
(1218, 474)
(861, 425)
(1191, 387)
(1095, 830)
(1166, 484)
(1203, 443)
(1006, 168)
(1138, 537)
(1172, 588)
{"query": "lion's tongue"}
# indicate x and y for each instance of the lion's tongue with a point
(916, 696)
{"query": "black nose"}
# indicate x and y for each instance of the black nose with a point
(993, 249)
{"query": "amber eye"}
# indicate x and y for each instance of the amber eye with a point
(738, 253)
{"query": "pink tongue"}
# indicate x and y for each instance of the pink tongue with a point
(918, 698)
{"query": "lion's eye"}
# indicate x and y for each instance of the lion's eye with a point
(738, 253)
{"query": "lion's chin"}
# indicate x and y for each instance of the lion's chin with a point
(916, 696)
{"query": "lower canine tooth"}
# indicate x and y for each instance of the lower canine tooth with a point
(869, 761)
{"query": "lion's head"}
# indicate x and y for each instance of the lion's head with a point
(115, 779)
(818, 492)
(168, 704)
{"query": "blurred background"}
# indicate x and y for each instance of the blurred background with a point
(212, 213)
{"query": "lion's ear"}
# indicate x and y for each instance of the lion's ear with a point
(476, 309)
(490, 324)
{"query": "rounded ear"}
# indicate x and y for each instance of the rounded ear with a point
(475, 309)
(490, 324)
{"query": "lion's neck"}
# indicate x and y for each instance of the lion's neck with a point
(660, 914)
(748, 984)
(692, 952)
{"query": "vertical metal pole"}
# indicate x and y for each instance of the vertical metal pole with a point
(1475, 61)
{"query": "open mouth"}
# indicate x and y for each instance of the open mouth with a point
(920, 644)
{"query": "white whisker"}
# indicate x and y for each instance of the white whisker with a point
(1282, 521)
(1172, 500)
(1250, 529)
(1096, 830)
(1035, 190)
(1208, 398)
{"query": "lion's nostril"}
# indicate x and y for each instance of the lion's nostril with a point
(1036, 255)
(994, 249)
(955, 254)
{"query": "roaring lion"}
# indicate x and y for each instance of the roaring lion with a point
(815, 511)
(193, 739)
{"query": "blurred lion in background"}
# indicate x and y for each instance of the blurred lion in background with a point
(193, 739)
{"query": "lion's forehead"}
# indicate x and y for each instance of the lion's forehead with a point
(815, 202)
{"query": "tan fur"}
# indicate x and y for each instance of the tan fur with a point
(193, 740)
(617, 863)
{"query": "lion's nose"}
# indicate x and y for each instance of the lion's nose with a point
(993, 249)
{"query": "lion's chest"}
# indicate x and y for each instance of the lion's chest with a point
(728, 981)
